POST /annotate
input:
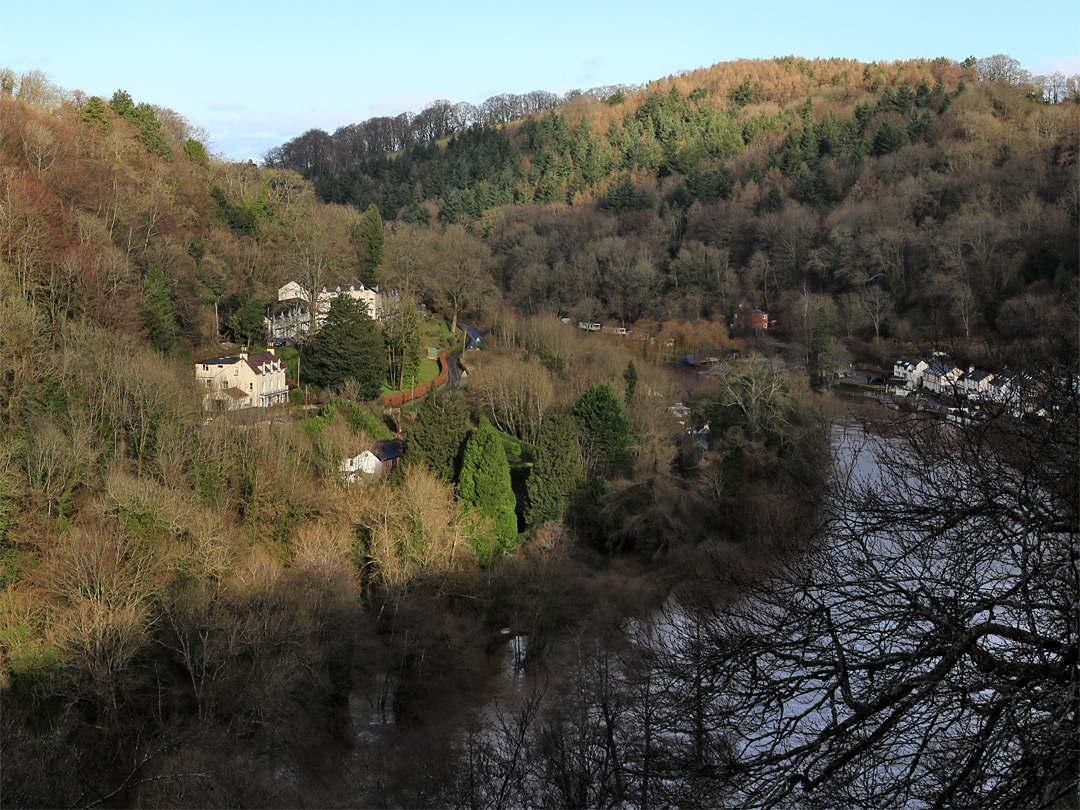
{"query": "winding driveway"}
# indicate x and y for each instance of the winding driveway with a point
(453, 368)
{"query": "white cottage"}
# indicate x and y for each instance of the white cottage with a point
(373, 459)
(290, 316)
(910, 370)
(975, 384)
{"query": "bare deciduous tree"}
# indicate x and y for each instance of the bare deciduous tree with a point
(924, 654)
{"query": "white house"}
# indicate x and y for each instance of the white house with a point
(975, 384)
(290, 316)
(910, 370)
(374, 458)
(243, 381)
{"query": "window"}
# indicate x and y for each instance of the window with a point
(236, 372)
(251, 386)
(209, 383)
(206, 368)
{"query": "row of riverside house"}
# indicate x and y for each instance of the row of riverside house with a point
(1011, 390)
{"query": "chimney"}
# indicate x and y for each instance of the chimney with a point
(243, 353)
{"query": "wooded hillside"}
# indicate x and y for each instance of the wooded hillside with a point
(201, 610)
(925, 199)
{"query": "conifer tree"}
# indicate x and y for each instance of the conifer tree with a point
(158, 317)
(557, 470)
(94, 113)
(368, 238)
(484, 490)
(608, 433)
(820, 353)
(630, 377)
(349, 345)
(435, 440)
(195, 152)
(145, 120)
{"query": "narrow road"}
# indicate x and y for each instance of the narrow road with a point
(453, 370)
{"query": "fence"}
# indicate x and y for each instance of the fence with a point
(405, 396)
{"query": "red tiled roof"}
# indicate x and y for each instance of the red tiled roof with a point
(262, 358)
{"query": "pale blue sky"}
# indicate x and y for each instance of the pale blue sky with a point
(256, 74)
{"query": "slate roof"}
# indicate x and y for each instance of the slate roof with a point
(218, 361)
(387, 450)
(907, 362)
(940, 369)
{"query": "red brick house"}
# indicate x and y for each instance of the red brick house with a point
(747, 319)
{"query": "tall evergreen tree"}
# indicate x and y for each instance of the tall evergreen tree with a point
(630, 378)
(121, 103)
(557, 470)
(246, 321)
(820, 350)
(436, 438)
(349, 345)
(195, 152)
(607, 432)
(743, 94)
(145, 120)
(158, 317)
(368, 238)
(94, 113)
(484, 490)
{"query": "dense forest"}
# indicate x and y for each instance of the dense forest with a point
(924, 198)
(204, 612)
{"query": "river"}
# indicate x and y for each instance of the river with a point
(500, 681)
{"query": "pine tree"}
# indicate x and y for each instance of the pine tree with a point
(743, 94)
(145, 120)
(772, 202)
(195, 152)
(158, 317)
(608, 433)
(121, 103)
(630, 378)
(436, 438)
(368, 238)
(889, 137)
(349, 345)
(557, 470)
(94, 114)
(820, 354)
(484, 490)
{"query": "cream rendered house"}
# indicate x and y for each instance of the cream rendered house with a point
(244, 381)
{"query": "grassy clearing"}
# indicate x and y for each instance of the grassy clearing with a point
(429, 370)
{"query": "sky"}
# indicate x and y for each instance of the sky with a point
(254, 75)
